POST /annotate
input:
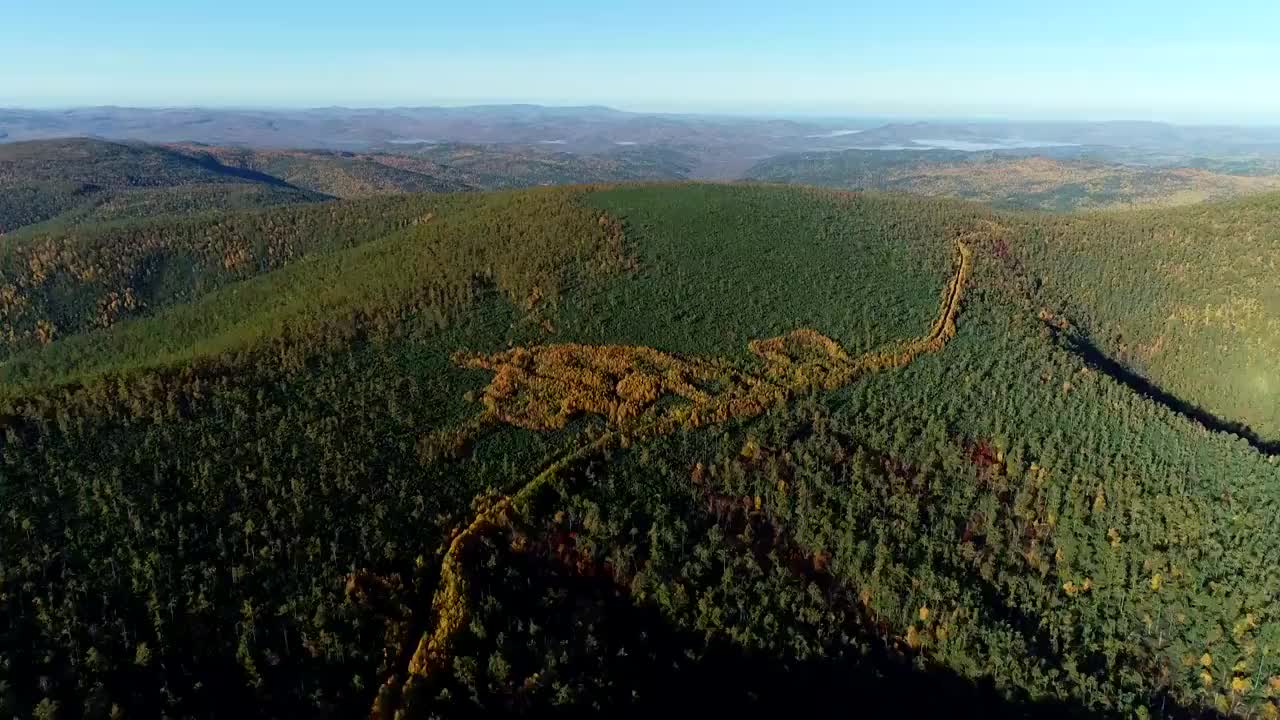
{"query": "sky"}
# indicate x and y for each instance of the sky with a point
(1203, 61)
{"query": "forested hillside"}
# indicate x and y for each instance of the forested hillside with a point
(337, 174)
(638, 449)
(83, 180)
(506, 166)
(1015, 181)
(444, 167)
(1186, 298)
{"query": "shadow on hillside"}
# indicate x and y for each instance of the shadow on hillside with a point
(658, 676)
(1083, 347)
(727, 683)
(213, 165)
(885, 689)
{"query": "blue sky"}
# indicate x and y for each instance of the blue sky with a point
(1197, 62)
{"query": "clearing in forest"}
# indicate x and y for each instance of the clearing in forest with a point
(543, 387)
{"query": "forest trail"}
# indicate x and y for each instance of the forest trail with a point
(540, 388)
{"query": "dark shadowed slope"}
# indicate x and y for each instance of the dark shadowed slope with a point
(81, 180)
(338, 174)
(84, 180)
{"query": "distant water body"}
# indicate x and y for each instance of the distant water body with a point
(835, 133)
(975, 146)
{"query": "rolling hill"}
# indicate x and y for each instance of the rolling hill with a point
(502, 166)
(641, 448)
(1184, 298)
(588, 130)
(1010, 180)
(431, 167)
(336, 174)
(84, 180)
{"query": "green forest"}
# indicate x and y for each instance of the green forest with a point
(637, 448)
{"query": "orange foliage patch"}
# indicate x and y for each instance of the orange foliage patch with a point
(545, 386)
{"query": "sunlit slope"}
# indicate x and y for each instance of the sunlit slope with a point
(806, 439)
(998, 510)
(717, 266)
(1187, 297)
(65, 282)
(863, 270)
(321, 379)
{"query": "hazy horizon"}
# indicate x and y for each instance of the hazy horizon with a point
(1092, 61)
(870, 117)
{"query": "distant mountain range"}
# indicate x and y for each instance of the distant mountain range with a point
(592, 128)
(580, 129)
(92, 165)
(710, 146)
(78, 181)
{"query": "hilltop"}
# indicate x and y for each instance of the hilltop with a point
(640, 448)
